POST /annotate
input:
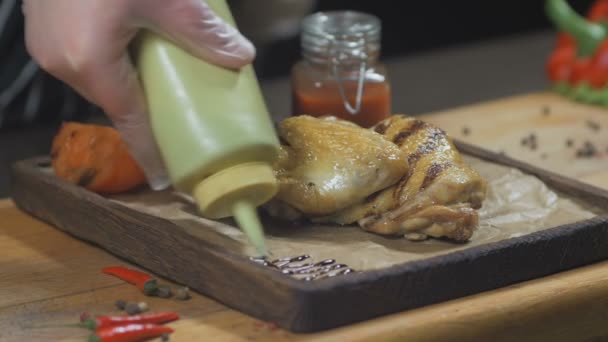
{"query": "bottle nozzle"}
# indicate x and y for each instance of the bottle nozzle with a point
(247, 218)
(237, 191)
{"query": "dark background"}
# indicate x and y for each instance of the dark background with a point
(410, 27)
(442, 54)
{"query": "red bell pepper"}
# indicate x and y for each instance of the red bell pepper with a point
(599, 11)
(581, 51)
(561, 60)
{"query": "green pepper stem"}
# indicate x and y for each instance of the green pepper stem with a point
(588, 35)
(150, 287)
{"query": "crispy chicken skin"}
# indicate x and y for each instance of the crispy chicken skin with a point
(326, 164)
(436, 194)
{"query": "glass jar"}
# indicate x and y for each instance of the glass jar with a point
(339, 73)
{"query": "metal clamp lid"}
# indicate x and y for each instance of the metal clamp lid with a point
(335, 62)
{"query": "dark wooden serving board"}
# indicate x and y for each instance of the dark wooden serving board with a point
(168, 250)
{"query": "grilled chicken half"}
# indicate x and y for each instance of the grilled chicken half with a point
(436, 194)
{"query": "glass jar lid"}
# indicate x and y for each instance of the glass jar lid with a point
(342, 40)
(325, 34)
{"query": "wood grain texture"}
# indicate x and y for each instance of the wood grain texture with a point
(25, 252)
(6, 203)
(168, 250)
(569, 306)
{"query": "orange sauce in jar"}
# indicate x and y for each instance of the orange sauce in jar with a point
(323, 98)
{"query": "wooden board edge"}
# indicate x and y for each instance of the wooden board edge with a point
(43, 196)
(421, 283)
(6, 203)
(567, 185)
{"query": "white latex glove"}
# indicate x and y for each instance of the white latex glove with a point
(84, 43)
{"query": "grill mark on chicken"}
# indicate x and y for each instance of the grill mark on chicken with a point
(399, 188)
(372, 197)
(430, 144)
(416, 125)
(382, 127)
(433, 172)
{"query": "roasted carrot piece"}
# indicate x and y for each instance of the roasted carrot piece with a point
(95, 157)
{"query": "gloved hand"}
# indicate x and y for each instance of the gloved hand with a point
(84, 43)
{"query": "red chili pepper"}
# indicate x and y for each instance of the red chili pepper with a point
(129, 333)
(102, 322)
(143, 281)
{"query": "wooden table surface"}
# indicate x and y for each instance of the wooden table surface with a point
(49, 278)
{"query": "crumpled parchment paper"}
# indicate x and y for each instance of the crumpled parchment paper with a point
(517, 204)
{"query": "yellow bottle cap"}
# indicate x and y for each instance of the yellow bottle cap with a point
(237, 191)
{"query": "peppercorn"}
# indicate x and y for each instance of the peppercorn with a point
(530, 141)
(594, 126)
(182, 293)
(164, 291)
(546, 110)
(120, 304)
(588, 150)
(466, 130)
(133, 308)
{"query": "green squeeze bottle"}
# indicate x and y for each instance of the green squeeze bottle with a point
(213, 129)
